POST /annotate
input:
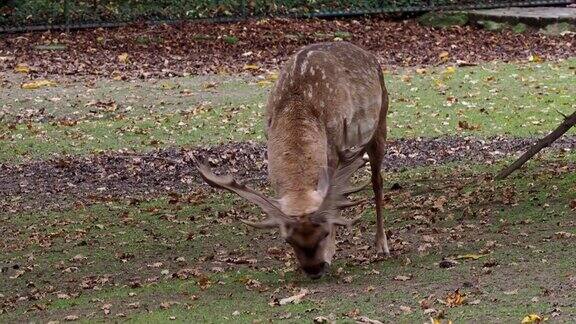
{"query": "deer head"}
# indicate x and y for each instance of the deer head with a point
(312, 236)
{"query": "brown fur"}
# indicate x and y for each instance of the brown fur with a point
(329, 98)
(319, 87)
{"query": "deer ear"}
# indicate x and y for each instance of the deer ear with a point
(323, 182)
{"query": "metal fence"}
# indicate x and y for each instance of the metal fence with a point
(26, 15)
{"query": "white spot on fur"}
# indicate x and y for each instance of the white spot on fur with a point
(303, 68)
(305, 62)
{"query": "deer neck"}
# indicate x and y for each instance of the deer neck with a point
(297, 151)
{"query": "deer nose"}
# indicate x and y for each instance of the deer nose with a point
(316, 271)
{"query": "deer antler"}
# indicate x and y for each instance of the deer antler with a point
(275, 216)
(350, 160)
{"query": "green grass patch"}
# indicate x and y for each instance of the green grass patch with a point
(488, 100)
(520, 227)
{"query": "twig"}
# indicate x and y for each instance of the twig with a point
(561, 114)
(568, 122)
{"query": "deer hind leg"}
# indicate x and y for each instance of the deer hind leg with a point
(376, 155)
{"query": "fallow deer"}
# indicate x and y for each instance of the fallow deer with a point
(327, 109)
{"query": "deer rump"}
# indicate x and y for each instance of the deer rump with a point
(327, 109)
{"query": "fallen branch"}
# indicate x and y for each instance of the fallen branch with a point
(568, 122)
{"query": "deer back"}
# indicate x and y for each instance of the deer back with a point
(320, 87)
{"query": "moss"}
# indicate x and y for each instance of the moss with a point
(492, 25)
(559, 28)
(443, 19)
(520, 28)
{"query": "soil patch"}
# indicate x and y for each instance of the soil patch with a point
(59, 182)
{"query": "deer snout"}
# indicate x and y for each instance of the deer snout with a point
(317, 270)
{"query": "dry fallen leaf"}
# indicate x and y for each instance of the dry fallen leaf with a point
(272, 75)
(403, 278)
(444, 55)
(264, 83)
(17, 274)
(535, 58)
(469, 256)
(322, 319)
(204, 282)
(71, 318)
(532, 318)
(21, 68)
(123, 58)
(455, 299)
(434, 320)
(38, 84)
(405, 309)
(106, 308)
(63, 296)
(364, 319)
(294, 299)
(462, 124)
(564, 235)
(573, 204)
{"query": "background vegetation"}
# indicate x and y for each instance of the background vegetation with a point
(42, 12)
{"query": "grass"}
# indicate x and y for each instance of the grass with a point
(488, 100)
(162, 259)
(125, 242)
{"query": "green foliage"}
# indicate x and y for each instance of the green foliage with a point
(342, 34)
(36, 12)
(230, 39)
(520, 28)
(492, 25)
(442, 19)
(559, 28)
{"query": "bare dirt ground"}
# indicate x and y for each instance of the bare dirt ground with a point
(59, 182)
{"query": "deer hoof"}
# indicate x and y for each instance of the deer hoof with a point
(383, 254)
(382, 249)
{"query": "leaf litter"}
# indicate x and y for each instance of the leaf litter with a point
(257, 45)
(88, 179)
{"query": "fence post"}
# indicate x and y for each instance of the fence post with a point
(66, 16)
(243, 9)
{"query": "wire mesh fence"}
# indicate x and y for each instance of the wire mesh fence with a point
(23, 15)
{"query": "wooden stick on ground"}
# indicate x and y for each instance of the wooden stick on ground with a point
(568, 122)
